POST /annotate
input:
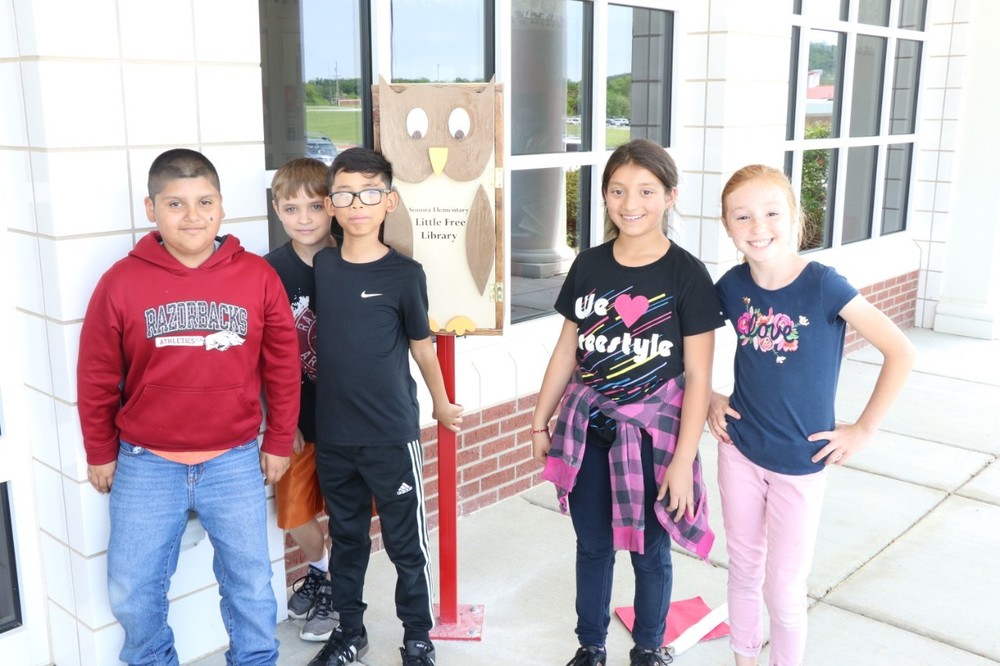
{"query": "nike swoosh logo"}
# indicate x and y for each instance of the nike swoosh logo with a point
(365, 294)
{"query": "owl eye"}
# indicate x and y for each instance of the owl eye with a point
(416, 123)
(458, 123)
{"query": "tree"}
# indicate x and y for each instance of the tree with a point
(313, 95)
(815, 189)
(824, 57)
(327, 92)
(620, 96)
(572, 206)
(573, 98)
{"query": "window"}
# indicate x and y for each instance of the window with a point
(638, 96)
(448, 40)
(852, 116)
(577, 89)
(316, 88)
(319, 61)
(312, 78)
(10, 602)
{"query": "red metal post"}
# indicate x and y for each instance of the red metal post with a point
(448, 491)
(452, 622)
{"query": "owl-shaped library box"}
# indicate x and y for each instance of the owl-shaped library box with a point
(445, 144)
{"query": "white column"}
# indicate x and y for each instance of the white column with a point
(716, 77)
(970, 298)
(538, 219)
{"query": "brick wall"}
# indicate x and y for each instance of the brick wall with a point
(896, 297)
(494, 463)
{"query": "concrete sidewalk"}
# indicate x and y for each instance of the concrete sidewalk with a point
(906, 561)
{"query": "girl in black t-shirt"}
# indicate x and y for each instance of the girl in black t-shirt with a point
(638, 338)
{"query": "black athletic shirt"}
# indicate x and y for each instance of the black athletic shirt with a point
(367, 314)
(297, 276)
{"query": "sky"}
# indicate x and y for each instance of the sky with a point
(437, 39)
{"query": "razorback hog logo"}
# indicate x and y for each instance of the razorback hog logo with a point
(222, 340)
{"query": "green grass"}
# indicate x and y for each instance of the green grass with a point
(615, 136)
(343, 126)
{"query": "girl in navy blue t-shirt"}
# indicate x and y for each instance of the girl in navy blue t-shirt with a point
(777, 431)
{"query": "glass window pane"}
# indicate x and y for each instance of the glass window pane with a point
(819, 169)
(550, 223)
(859, 195)
(824, 83)
(826, 10)
(869, 70)
(313, 94)
(903, 113)
(638, 77)
(549, 88)
(443, 40)
(311, 82)
(897, 187)
(874, 12)
(10, 602)
(912, 14)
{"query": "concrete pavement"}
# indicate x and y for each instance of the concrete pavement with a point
(906, 560)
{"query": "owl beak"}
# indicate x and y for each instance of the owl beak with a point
(439, 156)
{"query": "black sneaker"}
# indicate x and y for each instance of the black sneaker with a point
(304, 592)
(642, 657)
(344, 647)
(589, 655)
(417, 653)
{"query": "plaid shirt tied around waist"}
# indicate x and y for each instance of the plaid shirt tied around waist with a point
(659, 415)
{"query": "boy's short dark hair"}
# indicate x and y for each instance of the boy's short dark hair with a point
(180, 163)
(361, 160)
(301, 173)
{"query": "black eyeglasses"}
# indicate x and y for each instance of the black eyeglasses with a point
(368, 197)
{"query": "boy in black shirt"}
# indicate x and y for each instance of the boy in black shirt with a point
(372, 312)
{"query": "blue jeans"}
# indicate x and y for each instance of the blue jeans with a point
(590, 509)
(150, 500)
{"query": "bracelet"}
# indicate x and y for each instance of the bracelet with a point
(545, 430)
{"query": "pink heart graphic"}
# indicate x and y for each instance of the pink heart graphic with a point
(630, 309)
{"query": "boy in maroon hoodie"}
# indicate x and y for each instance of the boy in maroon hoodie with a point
(179, 340)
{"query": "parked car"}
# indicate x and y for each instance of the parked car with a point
(321, 148)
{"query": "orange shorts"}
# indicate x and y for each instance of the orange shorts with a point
(297, 497)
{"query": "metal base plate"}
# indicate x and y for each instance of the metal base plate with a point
(468, 627)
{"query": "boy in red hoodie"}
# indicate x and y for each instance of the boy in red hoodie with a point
(179, 340)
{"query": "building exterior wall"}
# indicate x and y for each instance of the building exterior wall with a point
(84, 113)
(961, 283)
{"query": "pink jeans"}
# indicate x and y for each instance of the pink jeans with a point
(771, 522)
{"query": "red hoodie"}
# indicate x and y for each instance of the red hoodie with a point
(174, 358)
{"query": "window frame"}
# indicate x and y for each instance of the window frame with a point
(594, 79)
(796, 145)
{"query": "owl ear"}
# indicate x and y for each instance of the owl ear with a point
(397, 230)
